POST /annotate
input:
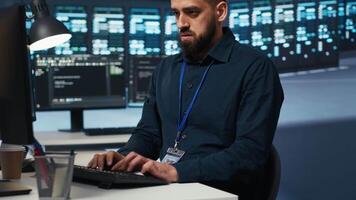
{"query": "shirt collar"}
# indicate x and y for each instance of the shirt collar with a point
(222, 50)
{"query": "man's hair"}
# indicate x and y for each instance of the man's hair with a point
(214, 2)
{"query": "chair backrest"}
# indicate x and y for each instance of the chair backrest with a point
(272, 175)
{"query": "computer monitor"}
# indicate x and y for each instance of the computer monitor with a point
(284, 32)
(306, 33)
(79, 82)
(75, 18)
(262, 26)
(87, 72)
(328, 39)
(350, 25)
(16, 111)
(341, 23)
(108, 30)
(170, 36)
(239, 21)
(144, 31)
(140, 73)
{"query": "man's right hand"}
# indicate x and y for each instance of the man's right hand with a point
(101, 161)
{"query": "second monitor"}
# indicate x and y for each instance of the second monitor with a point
(79, 82)
(140, 72)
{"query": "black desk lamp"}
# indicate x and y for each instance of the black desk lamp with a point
(46, 32)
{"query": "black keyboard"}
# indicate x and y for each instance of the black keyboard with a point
(108, 131)
(113, 179)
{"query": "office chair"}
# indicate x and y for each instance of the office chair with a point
(272, 175)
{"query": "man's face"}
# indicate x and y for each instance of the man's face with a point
(197, 24)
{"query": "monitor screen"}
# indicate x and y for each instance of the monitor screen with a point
(350, 25)
(141, 70)
(89, 71)
(75, 19)
(171, 44)
(80, 81)
(261, 26)
(327, 33)
(239, 21)
(284, 34)
(16, 110)
(341, 23)
(145, 31)
(108, 32)
(306, 33)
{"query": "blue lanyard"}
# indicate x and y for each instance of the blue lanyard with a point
(182, 121)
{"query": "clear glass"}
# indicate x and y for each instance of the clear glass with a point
(54, 174)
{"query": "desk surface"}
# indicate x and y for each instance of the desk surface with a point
(68, 140)
(187, 191)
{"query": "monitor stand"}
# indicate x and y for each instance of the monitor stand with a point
(76, 121)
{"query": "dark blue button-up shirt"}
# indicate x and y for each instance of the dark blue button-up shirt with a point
(233, 120)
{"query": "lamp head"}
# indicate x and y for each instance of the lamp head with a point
(46, 32)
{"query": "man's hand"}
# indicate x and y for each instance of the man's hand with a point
(135, 162)
(106, 159)
(160, 170)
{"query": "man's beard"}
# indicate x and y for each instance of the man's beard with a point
(196, 49)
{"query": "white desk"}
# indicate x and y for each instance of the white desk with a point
(56, 138)
(187, 191)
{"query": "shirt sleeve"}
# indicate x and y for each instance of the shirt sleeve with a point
(146, 139)
(257, 118)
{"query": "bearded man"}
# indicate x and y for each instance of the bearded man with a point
(211, 112)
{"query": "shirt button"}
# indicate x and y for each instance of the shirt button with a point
(190, 85)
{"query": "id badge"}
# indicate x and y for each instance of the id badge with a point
(173, 156)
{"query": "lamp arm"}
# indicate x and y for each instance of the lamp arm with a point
(39, 8)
